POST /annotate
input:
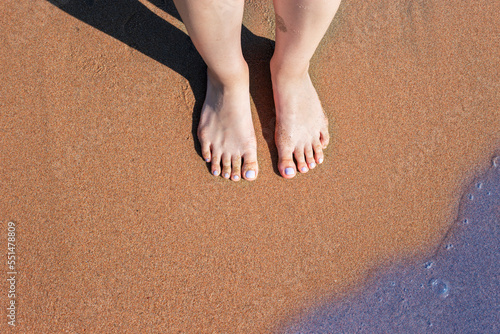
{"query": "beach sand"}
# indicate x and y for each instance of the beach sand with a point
(120, 227)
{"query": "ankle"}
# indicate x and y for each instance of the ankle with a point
(235, 75)
(288, 70)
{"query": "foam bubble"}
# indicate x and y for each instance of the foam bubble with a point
(496, 162)
(440, 287)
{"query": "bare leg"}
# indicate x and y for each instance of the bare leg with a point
(301, 125)
(226, 130)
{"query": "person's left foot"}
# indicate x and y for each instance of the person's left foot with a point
(301, 124)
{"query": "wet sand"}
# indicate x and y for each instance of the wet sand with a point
(455, 290)
(121, 227)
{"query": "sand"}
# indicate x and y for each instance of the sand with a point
(121, 227)
(454, 290)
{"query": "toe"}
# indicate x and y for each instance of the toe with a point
(310, 156)
(324, 137)
(318, 152)
(286, 165)
(205, 151)
(301, 161)
(236, 167)
(216, 164)
(226, 166)
(250, 167)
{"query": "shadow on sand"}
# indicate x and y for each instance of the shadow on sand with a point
(132, 23)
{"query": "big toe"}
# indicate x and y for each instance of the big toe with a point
(286, 166)
(250, 167)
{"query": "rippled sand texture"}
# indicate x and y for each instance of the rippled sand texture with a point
(121, 228)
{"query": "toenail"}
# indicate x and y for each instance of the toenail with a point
(250, 174)
(304, 169)
(226, 175)
(236, 177)
(312, 165)
(320, 160)
(216, 172)
(289, 171)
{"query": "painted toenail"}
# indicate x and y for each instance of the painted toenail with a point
(250, 174)
(289, 171)
(320, 160)
(304, 169)
(216, 172)
(207, 160)
(236, 177)
(312, 165)
(226, 175)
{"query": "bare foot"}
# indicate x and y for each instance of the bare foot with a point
(301, 124)
(226, 130)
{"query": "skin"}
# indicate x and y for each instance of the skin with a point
(226, 130)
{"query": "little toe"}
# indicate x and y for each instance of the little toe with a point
(318, 152)
(236, 168)
(301, 162)
(205, 152)
(324, 138)
(250, 167)
(310, 156)
(226, 166)
(286, 166)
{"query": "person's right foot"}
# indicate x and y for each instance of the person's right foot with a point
(226, 129)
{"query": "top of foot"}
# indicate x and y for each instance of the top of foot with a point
(301, 124)
(226, 130)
